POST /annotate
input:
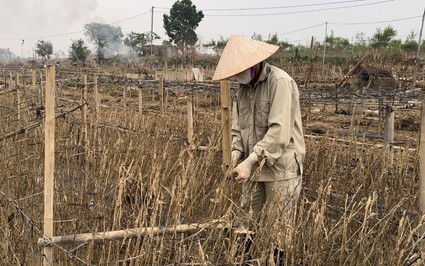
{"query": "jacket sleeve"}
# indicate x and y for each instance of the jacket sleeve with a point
(280, 121)
(237, 146)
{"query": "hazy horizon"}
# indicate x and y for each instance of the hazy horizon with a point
(61, 22)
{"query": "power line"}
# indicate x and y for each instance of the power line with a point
(310, 27)
(373, 22)
(348, 23)
(275, 7)
(298, 12)
(130, 18)
(44, 37)
(282, 7)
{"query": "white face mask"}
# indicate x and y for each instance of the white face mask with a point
(244, 77)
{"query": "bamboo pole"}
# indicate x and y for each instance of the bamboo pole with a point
(125, 94)
(84, 135)
(189, 121)
(49, 161)
(380, 109)
(84, 109)
(389, 134)
(226, 122)
(96, 107)
(161, 95)
(17, 79)
(140, 104)
(18, 95)
(135, 232)
(352, 70)
(422, 159)
(41, 91)
(33, 83)
(419, 47)
(166, 98)
(10, 80)
(353, 115)
(307, 79)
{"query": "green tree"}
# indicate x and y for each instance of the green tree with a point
(273, 39)
(103, 36)
(360, 42)
(337, 43)
(410, 45)
(382, 38)
(78, 51)
(44, 49)
(257, 36)
(136, 41)
(180, 25)
(217, 46)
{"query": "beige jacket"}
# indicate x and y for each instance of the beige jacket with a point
(267, 121)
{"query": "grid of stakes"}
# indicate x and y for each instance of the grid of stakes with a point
(122, 166)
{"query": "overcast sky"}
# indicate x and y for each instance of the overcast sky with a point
(294, 21)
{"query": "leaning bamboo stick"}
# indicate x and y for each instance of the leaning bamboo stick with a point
(135, 232)
(358, 142)
(339, 85)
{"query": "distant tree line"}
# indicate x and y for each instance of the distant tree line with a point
(180, 25)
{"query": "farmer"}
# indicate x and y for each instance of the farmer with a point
(267, 138)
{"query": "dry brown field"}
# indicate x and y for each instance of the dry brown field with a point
(119, 169)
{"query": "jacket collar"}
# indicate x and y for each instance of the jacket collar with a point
(265, 70)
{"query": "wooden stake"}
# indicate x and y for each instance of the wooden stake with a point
(161, 95)
(84, 109)
(389, 134)
(353, 115)
(125, 95)
(97, 108)
(189, 121)
(380, 109)
(226, 122)
(166, 98)
(84, 135)
(33, 79)
(140, 105)
(41, 88)
(422, 159)
(18, 95)
(49, 161)
(10, 80)
(17, 80)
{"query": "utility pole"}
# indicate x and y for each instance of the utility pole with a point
(152, 30)
(419, 46)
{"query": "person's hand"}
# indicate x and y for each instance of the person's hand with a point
(243, 170)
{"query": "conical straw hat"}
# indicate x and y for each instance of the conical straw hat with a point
(240, 54)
